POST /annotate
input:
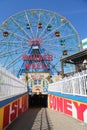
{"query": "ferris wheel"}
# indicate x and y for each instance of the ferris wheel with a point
(36, 33)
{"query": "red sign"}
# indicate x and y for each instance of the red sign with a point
(38, 57)
(66, 105)
(13, 110)
(37, 66)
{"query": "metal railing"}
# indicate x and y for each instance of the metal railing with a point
(76, 84)
(10, 85)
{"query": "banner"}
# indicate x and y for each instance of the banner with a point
(12, 110)
(73, 108)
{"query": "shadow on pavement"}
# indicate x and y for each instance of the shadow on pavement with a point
(33, 119)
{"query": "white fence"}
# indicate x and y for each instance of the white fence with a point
(10, 85)
(76, 84)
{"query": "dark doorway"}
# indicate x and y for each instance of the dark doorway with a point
(38, 100)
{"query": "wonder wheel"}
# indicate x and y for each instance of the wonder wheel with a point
(35, 40)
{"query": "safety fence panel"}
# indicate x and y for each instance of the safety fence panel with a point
(76, 84)
(10, 85)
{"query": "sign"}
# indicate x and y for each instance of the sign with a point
(12, 110)
(37, 66)
(37, 76)
(37, 57)
(70, 107)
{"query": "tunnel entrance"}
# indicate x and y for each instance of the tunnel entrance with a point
(38, 100)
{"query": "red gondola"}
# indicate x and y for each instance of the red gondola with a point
(40, 25)
(65, 52)
(57, 34)
(5, 34)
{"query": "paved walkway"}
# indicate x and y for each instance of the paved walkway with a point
(46, 119)
(61, 121)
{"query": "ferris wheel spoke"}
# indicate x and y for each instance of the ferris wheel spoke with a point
(57, 46)
(29, 23)
(51, 46)
(50, 50)
(15, 63)
(2, 42)
(67, 36)
(5, 61)
(46, 27)
(54, 65)
(14, 34)
(2, 49)
(21, 28)
(51, 39)
(37, 26)
(14, 59)
(61, 37)
(57, 28)
(10, 52)
(46, 50)
(68, 48)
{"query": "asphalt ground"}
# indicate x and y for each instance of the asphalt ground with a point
(45, 119)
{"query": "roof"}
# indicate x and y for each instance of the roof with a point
(76, 57)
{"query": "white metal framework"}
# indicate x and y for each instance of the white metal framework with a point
(10, 85)
(76, 84)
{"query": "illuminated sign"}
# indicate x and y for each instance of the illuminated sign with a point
(37, 66)
(38, 57)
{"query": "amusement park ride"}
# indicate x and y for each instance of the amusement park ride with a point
(32, 44)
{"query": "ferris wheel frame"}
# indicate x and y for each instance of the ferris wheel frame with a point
(49, 32)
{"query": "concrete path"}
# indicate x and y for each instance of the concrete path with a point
(61, 121)
(46, 119)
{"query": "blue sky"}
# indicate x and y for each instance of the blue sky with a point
(74, 10)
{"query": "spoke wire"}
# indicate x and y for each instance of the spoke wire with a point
(15, 64)
(14, 34)
(57, 38)
(46, 26)
(57, 28)
(17, 58)
(37, 26)
(21, 28)
(29, 23)
(11, 51)
(13, 42)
